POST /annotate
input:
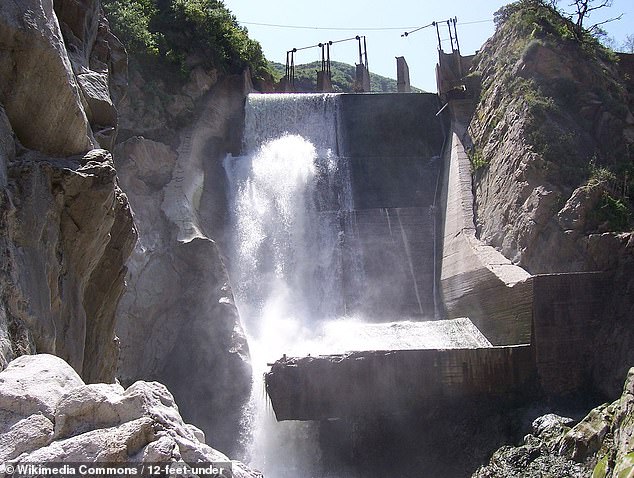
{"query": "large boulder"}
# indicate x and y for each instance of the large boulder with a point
(47, 414)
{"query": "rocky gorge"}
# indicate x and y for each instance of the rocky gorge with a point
(120, 339)
(70, 239)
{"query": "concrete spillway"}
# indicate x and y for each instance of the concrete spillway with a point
(535, 324)
(393, 144)
(379, 383)
(348, 206)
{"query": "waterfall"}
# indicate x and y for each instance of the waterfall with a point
(290, 199)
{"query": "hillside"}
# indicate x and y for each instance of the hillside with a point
(342, 77)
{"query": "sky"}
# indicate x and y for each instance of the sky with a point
(281, 25)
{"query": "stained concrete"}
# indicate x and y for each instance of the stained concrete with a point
(377, 383)
(476, 280)
(568, 310)
(395, 248)
(392, 144)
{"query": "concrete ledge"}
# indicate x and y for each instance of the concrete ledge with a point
(392, 382)
(476, 280)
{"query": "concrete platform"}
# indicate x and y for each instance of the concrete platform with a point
(375, 383)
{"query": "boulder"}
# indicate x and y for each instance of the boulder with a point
(93, 423)
(601, 445)
(34, 384)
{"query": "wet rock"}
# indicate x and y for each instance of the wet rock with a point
(586, 437)
(601, 445)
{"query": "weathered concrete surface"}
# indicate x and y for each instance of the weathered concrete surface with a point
(402, 75)
(476, 280)
(568, 311)
(387, 382)
(392, 144)
(390, 125)
(396, 247)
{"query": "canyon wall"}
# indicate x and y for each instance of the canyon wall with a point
(67, 226)
(175, 136)
(551, 153)
(69, 233)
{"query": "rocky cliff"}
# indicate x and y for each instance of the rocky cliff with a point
(175, 136)
(552, 136)
(67, 226)
(68, 232)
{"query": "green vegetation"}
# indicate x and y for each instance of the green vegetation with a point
(176, 31)
(614, 206)
(540, 19)
(477, 159)
(565, 89)
(343, 76)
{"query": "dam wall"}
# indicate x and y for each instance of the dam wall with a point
(476, 280)
(540, 328)
(393, 146)
(381, 383)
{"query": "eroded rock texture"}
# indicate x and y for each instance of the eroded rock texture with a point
(69, 230)
(66, 225)
(48, 414)
(552, 135)
(178, 288)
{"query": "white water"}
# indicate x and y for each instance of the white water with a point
(289, 195)
(291, 200)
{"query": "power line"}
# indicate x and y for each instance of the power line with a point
(306, 27)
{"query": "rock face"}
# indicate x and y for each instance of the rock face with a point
(552, 131)
(48, 414)
(178, 288)
(600, 445)
(63, 47)
(69, 229)
(66, 225)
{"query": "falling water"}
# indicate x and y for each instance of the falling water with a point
(290, 196)
(304, 261)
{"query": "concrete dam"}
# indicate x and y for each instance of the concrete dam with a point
(359, 273)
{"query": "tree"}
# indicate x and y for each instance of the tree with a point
(628, 44)
(582, 11)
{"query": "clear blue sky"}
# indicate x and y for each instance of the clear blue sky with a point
(383, 23)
